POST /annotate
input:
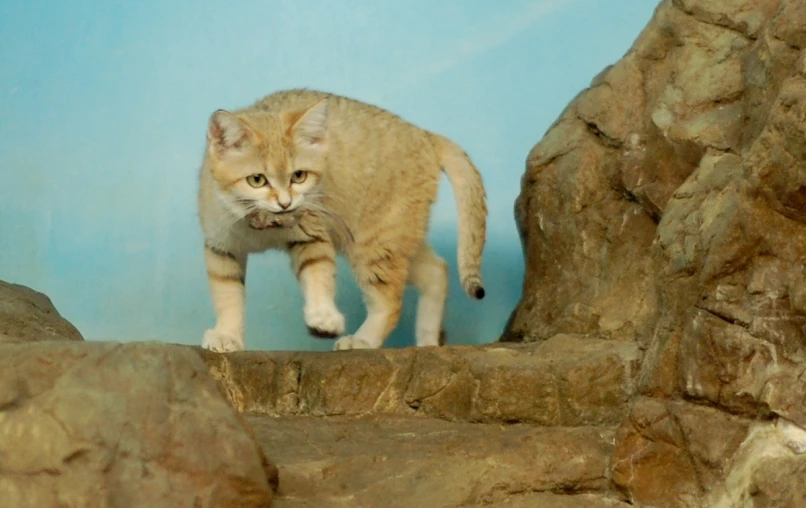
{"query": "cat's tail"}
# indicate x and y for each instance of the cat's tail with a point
(471, 207)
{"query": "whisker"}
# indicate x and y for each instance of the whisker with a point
(233, 215)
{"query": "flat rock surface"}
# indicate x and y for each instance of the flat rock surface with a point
(410, 461)
(567, 380)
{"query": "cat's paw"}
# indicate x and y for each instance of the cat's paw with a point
(324, 322)
(220, 342)
(352, 342)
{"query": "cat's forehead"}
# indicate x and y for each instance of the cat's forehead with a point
(275, 158)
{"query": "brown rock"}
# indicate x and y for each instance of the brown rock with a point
(552, 500)
(671, 454)
(744, 16)
(779, 482)
(766, 469)
(27, 315)
(667, 206)
(566, 380)
(94, 424)
(663, 220)
(403, 461)
(698, 125)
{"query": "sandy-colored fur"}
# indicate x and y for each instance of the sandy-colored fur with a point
(370, 179)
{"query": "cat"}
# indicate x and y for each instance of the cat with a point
(318, 174)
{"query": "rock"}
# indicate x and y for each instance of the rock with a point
(27, 315)
(678, 119)
(671, 454)
(544, 384)
(663, 330)
(667, 207)
(392, 461)
(766, 470)
(97, 424)
(501, 425)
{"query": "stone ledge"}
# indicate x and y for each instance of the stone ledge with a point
(567, 380)
(410, 461)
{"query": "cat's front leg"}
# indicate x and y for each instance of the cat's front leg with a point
(226, 273)
(314, 264)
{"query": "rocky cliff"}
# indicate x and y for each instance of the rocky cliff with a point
(667, 207)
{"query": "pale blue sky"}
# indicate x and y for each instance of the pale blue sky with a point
(103, 110)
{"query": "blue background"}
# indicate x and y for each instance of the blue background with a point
(103, 110)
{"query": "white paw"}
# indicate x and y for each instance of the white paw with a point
(324, 322)
(352, 342)
(222, 342)
(427, 338)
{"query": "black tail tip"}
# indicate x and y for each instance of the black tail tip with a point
(479, 293)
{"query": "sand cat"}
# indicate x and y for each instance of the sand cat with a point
(317, 174)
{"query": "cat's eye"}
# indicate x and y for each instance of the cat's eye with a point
(299, 176)
(256, 180)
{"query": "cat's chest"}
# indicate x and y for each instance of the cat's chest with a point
(240, 237)
(279, 238)
(272, 238)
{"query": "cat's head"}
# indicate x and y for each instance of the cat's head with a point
(268, 162)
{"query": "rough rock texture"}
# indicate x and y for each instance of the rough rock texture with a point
(27, 315)
(500, 425)
(566, 381)
(103, 424)
(402, 461)
(667, 206)
(663, 219)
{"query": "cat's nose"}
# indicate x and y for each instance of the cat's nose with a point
(284, 204)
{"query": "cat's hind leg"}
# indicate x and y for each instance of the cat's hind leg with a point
(314, 264)
(382, 278)
(429, 274)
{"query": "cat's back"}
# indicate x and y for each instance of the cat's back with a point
(289, 100)
(343, 111)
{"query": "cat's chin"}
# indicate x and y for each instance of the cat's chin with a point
(264, 219)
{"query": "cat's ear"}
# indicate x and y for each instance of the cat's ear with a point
(226, 133)
(309, 128)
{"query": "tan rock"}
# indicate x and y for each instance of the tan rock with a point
(744, 16)
(766, 469)
(27, 315)
(789, 23)
(103, 424)
(404, 461)
(663, 220)
(546, 384)
(672, 454)
(667, 206)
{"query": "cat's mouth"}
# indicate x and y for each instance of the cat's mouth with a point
(264, 219)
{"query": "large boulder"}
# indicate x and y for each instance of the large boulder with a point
(27, 315)
(104, 424)
(667, 206)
